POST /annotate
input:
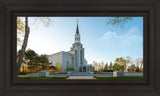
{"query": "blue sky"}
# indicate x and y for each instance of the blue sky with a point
(102, 42)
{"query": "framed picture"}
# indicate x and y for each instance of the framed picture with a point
(79, 48)
(85, 59)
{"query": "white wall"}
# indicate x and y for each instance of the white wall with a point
(61, 57)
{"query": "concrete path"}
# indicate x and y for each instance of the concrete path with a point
(81, 77)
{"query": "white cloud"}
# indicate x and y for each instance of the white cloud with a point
(128, 43)
(109, 35)
(131, 38)
(109, 38)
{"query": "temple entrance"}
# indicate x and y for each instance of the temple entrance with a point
(83, 70)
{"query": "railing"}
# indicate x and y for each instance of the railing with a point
(80, 73)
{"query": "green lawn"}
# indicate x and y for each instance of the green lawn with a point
(123, 78)
(42, 77)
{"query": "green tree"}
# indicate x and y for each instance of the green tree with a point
(133, 68)
(91, 68)
(106, 67)
(44, 62)
(115, 66)
(101, 66)
(121, 63)
(98, 66)
(119, 21)
(69, 67)
(110, 66)
(29, 54)
(33, 65)
(124, 64)
(45, 21)
(137, 69)
(35, 62)
(129, 69)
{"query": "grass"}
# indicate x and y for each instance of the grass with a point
(42, 78)
(50, 78)
(122, 78)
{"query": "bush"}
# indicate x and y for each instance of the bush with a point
(108, 71)
(21, 73)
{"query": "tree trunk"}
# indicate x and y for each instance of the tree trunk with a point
(23, 48)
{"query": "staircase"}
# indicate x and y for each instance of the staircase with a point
(81, 74)
(80, 77)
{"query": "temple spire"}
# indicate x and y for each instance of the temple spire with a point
(77, 35)
(77, 31)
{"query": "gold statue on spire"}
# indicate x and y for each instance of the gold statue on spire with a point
(77, 21)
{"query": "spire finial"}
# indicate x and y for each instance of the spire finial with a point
(77, 28)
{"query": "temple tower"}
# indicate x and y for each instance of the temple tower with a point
(78, 49)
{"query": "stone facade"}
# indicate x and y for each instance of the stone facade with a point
(75, 57)
(62, 57)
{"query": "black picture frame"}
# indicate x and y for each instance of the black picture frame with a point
(11, 86)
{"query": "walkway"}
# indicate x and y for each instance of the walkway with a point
(80, 77)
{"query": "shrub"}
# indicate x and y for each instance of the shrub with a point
(22, 73)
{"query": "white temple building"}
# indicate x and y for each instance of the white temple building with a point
(74, 58)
